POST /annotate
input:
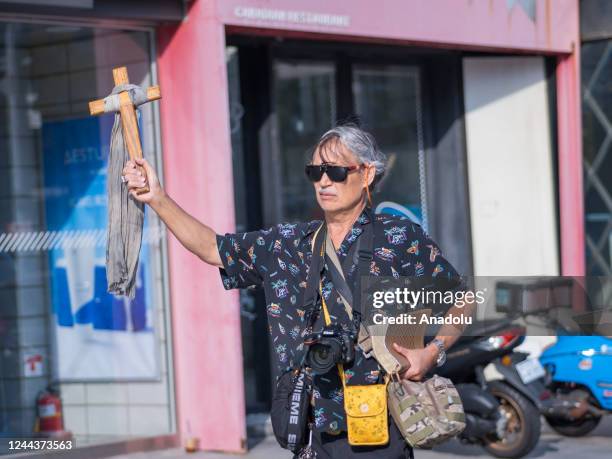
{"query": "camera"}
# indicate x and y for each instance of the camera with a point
(328, 347)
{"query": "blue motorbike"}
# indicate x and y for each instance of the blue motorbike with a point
(580, 375)
(577, 368)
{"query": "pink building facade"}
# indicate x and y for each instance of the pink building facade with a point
(248, 85)
(201, 97)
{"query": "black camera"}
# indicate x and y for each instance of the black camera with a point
(328, 347)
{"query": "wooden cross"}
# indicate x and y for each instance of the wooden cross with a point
(129, 123)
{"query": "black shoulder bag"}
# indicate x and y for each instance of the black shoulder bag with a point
(290, 403)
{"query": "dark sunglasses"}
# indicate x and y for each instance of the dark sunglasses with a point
(335, 173)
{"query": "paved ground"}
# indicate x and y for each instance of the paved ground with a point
(594, 446)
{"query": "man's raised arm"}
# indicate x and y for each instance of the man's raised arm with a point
(193, 234)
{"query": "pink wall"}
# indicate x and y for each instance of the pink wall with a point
(571, 196)
(468, 23)
(198, 175)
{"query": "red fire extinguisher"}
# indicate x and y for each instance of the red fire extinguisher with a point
(49, 409)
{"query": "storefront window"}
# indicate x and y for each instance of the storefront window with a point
(58, 326)
(597, 117)
(388, 101)
(596, 65)
(305, 107)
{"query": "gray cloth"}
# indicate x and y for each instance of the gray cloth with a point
(125, 214)
(137, 95)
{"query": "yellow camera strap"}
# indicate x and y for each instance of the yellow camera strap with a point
(328, 322)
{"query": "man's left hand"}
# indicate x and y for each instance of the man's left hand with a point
(421, 361)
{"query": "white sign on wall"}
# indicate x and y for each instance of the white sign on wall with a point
(33, 364)
(292, 16)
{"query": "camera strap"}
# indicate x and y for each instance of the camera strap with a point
(314, 276)
(311, 294)
(372, 344)
(362, 252)
(328, 322)
(341, 285)
(362, 256)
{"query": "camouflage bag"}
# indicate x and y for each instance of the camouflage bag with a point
(426, 413)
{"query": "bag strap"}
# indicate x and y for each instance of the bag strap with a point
(363, 251)
(352, 257)
(328, 322)
(314, 275)
(371, 344)
(339, 281)
(365, 255)
(314, 279)
(360, 253)
(343, 288)
(364, 258)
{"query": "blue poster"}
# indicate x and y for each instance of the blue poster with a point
(99, 335)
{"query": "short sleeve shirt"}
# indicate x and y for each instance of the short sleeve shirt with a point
(278, 260)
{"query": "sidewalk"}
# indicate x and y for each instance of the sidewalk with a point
(267, 448)
(551, 446)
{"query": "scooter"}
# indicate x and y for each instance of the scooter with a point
(579, 364)
(580, 373)
(499, 387)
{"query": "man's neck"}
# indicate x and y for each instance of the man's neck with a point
(339, 223)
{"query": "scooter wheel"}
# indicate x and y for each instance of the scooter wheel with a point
(576, 428)
(523, 423)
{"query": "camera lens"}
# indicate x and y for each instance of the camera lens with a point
(324, 356)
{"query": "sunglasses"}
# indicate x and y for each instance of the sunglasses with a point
(335, 173)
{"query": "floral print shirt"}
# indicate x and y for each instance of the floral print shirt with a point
(278, 260)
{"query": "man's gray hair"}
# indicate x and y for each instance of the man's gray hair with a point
(361, 143)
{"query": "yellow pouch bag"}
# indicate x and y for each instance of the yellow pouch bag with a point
(366, 413)
(367, 421)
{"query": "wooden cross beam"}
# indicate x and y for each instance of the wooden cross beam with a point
(129, 122)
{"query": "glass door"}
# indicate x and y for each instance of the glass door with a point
(304, 107)
(387, 100)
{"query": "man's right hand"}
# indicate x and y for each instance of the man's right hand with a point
(136, 179)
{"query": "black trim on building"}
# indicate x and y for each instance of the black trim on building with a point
(151, 11)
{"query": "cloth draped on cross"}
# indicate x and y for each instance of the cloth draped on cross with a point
(125, 214)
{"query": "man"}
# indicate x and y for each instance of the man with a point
(346, 163)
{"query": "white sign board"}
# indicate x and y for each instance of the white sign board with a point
(33, 364)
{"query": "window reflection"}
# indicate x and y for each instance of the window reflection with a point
(57, 323)
(304, 102)
(388, 101)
